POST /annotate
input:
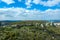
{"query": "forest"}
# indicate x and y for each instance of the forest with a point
(29, 30)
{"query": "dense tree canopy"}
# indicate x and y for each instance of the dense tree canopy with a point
(34, 32)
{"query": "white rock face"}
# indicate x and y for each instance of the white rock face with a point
(56, 23)
(42, 25)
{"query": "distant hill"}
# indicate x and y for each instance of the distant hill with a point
(54, 20)
(10, 20)
(29, 20)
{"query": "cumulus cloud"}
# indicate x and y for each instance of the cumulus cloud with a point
(52, 14)
(8, 1)
(28, 3)
(24, 14)
(48, 3)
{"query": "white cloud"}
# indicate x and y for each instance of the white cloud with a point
(48, 3)
(36, 1)
(8, 1)
(24, 14)
(28, 3)
(52, 14)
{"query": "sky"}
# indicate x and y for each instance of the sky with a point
(29, 9)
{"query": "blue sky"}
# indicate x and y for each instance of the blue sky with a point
(29, 9)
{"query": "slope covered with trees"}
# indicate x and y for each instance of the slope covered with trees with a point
(30, 31)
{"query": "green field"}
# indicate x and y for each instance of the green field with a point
(29, 30)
